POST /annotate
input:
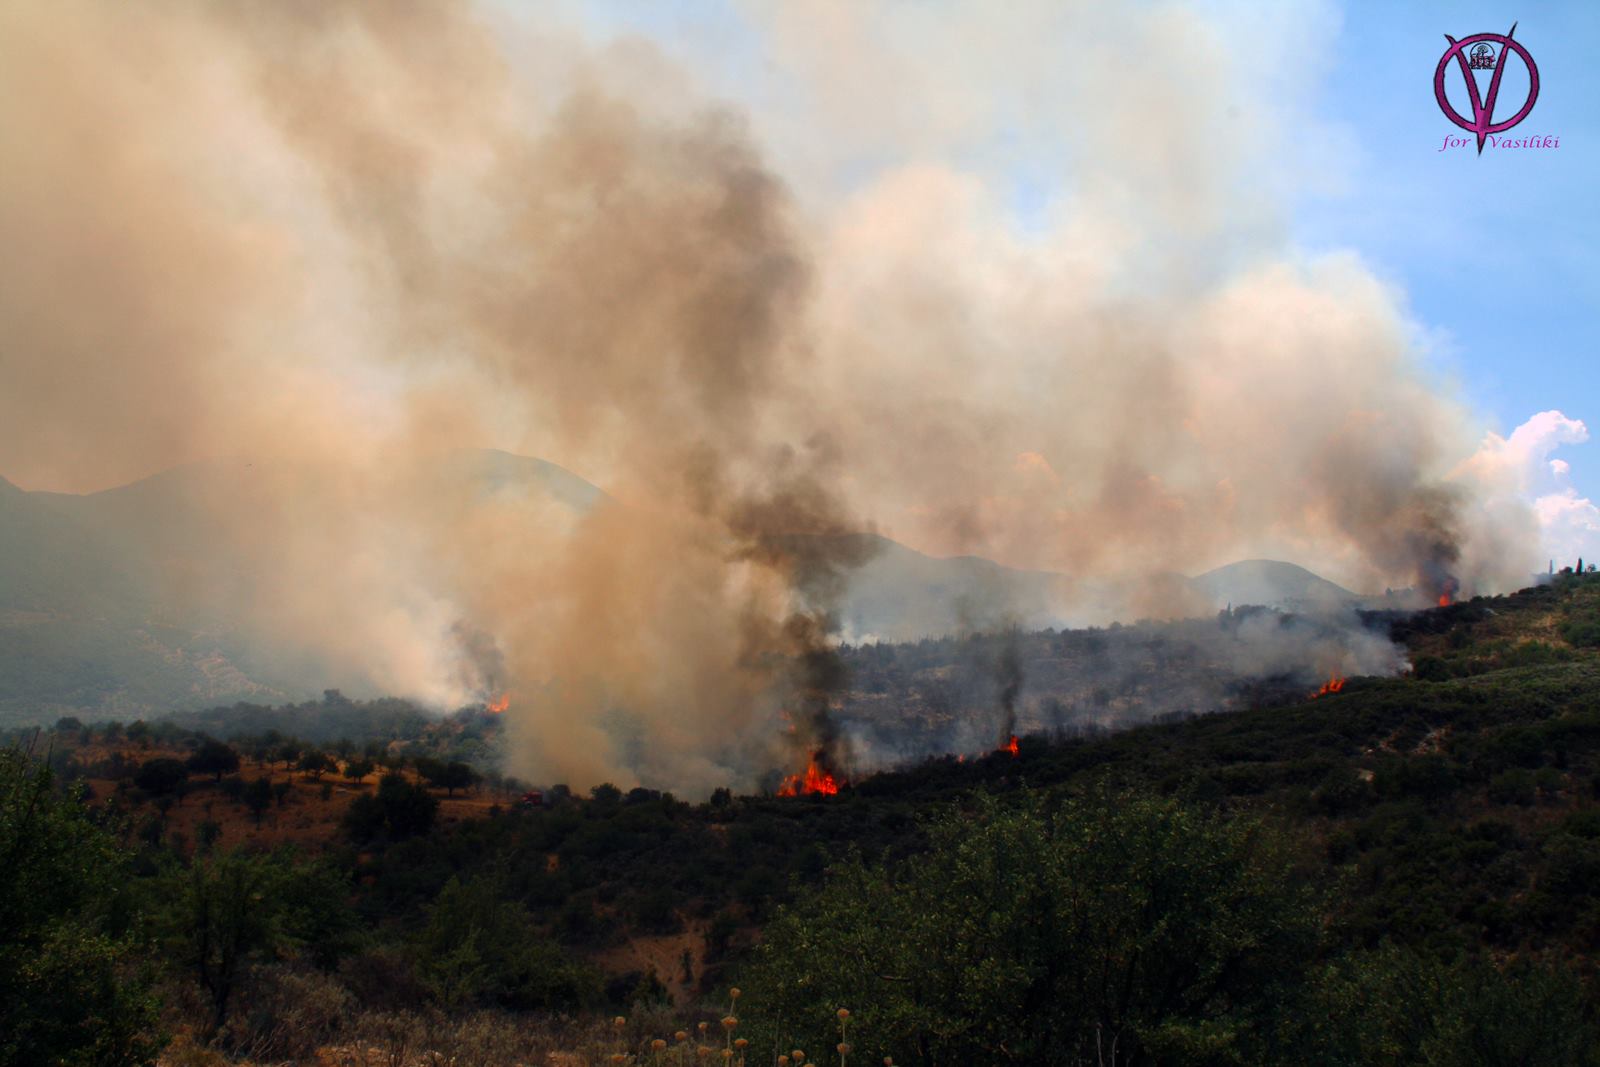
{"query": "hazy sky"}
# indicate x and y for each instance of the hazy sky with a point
(995, 164)
(1494, 255)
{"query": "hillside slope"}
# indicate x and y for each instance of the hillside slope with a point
(1461, 803)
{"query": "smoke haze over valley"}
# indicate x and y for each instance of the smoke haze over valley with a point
(290, 291)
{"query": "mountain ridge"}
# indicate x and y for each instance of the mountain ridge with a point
(87, 624)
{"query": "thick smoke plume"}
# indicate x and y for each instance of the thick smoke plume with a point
(337, 241)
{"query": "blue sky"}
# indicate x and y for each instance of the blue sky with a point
(1494, 255)
(1497, 254)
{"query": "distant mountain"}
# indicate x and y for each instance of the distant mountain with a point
(899, 594)
(492, 470)
(1268, 582)
(90, 623)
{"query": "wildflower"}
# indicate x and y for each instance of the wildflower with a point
(799, 1057)
(734, 992)
(619, 1022)
(681, 1035)
(843, 1014)
(658, 1044)
(842, 1049)
(729, 1023)
(740, 1043)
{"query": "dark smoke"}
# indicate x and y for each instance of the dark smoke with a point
(1008, 676)
(801, 531)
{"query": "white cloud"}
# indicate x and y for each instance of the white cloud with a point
(1569, 524)
(1520, 460)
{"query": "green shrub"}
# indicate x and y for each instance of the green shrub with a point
(1160, 930)
(1396, 1007)
(69, 991)
(481, 949)
(400, 808)
(1582, 631)
(1516, 786)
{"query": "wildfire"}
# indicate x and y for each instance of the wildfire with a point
(1010, 746)
(499, 706)
(1332, 685)
(1444, 600)
(814, 780)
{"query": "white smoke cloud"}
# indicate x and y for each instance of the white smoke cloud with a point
(358, 234)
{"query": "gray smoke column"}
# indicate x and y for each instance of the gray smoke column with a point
(799, 531)
(345, 237)
(1008, 677)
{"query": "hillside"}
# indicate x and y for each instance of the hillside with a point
(1451, 815)
(1265, 581)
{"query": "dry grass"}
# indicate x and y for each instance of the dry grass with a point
(306, 818)
(306, 1018)
(662, 954)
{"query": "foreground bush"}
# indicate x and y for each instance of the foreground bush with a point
(1120, 930)
(1397, 1007)
(69, 993)
(1131, 930)
(481, 949)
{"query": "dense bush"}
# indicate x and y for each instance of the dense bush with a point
(70, 992)
(481, 949)
(214, 758)
(1126, 928)
(1397, 1007)
(161, 777)
(216, 916)
(399, 809)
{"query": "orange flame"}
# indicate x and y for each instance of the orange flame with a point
(1332, 685)
(1010, 746)
(499, 706)
(815, 780)
(1444, 600)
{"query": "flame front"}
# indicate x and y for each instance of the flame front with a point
(1010, 746)
(1332, 685)
(814, 780)
(1444, 600)
(499, 706)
